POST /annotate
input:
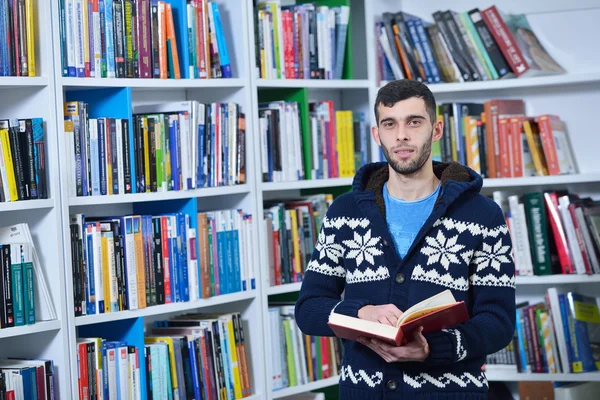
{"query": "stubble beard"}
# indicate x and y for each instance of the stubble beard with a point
(411, 167)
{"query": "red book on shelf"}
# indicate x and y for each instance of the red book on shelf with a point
(433, 314)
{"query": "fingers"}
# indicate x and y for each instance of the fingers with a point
(387, 320)
(418, 336)
(383, 354)
(395, 311)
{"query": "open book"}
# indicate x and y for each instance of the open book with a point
(433, 314)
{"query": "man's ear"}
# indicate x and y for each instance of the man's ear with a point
(375, 134)
(438, 130)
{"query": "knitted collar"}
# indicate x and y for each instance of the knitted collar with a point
(372, 177)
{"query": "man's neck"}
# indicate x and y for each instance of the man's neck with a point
(413, 187)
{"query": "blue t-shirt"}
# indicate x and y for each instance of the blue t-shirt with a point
(405, 218)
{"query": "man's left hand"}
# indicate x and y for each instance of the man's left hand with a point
(415, 350)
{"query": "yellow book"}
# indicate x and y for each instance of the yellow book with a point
(309, 365)
(532, 134)
(295, 242)
(351, 149)
(169, 341)
(8, 162)
(472, 143)
(139, 260)
(453, 140)
(30, 37)
(235, 369)
(105, 273)
(339, 128)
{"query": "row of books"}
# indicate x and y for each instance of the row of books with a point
(17, 38)
(17, 294)
(108, 369)
(553, 232)
(137, 261)
(138, 39)
(24, 294)
(558, 335)
(171, 147)
(22, 378)
(498, 140)
(292, 228)
(335, 144)
(460, 47)
(23, 173)
(304, 41)
(296, 358)
(213, 363)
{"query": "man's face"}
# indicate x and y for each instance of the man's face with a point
(405, 133)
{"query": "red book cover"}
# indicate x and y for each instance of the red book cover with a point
(580, 242)
(545, 123)
(495, 110)
(558, 232)
(516, 147)
(166, 264)
(506, 42)
(325, 357)
(444, 317)
(505, 147)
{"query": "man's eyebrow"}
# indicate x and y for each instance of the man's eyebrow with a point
(388, 119)
(414, 116)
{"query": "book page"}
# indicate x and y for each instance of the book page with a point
(428, 305)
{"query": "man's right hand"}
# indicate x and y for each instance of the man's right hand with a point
(386, 314)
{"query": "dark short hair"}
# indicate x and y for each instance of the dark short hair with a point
(404, 89)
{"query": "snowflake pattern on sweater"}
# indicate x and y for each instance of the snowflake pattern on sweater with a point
(464, 246)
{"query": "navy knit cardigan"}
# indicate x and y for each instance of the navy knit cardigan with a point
(463, 246)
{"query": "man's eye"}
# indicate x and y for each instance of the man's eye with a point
(388, 124)
(414, 122)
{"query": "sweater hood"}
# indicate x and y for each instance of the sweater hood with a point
(456, 180)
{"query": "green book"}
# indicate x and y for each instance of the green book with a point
(28, 285)
(289, 346)
(16, 269)
(537, 225)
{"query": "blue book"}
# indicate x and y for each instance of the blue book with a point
(111, 71)
(236, 253)
(584, 326)
(221, 43)
(184, 287)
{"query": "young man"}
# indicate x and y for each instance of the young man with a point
(409, 229)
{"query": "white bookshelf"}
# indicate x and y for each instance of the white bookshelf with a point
(320, 384)
(574, 96)
(160, 196)
(166, 308)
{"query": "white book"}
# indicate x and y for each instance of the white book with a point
(112, 361)
(79, 39)
(558, 329)
(93, 234)
(44, 305)
(572, 241)
(122, 372)
(94, 156)
(97, 44)
(192, 262)
(70, 25)
(130, 264)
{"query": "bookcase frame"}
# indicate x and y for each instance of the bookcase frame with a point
(570, 95)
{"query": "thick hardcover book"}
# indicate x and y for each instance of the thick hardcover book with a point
(433, 314)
